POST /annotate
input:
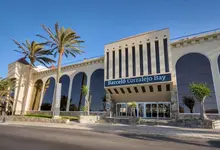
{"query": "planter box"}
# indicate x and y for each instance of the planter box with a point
(88, 119)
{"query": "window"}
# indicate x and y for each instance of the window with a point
(129, 90)
(159, 88)
(157, 53)
(122, 90)
(168, 87)
(166, 56)
(120, 63)
(107, 74)
(133, 61)
(116, 91)
(135, 89)
(126, 61)
(141, 59)
(113, 65)
(151, 88)
(109, 91)
(149, 58)
(143, 89)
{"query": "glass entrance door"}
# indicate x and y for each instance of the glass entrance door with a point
(141, 110)
(148, 110)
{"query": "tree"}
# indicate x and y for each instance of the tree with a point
(104, 101)
(189, 102)
(132, 105)
(6, 86)
(64, 42)
(84, 92)
(34, 52)
(200, 91)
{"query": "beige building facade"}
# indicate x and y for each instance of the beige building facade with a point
(149, 69)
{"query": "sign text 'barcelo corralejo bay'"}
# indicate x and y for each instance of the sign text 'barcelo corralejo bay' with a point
(139, 80)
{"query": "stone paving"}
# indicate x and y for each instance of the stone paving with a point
(127, 129)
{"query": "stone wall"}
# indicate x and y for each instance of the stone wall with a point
(196, 116)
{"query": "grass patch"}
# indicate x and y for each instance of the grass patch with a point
(71, 118)
(38, 115)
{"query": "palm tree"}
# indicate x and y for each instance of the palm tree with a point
(189, 102)
(34, 52)
(200, 91)
(64, 42)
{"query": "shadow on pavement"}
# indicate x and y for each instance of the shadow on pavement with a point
(188, 141)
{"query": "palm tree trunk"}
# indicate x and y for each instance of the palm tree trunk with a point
(57, 81)
(202, 110)
(26, 90)
(81, 95)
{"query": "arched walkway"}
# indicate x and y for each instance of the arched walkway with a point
(35, 99)
(65, 81)
(77, 99)
(194, 68)
(97, 90)
(48, 94)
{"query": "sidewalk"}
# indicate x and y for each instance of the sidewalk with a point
(126, 129)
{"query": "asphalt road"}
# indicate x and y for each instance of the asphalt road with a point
(42, 138)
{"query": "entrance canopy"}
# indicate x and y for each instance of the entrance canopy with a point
(158, 92)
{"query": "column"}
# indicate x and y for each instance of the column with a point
(216, 79)
(69, 94)
(41, 97)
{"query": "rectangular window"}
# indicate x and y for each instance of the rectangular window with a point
(143, 89)
(135, 89)
(113, 64)
(120, 63)
(133, 61)
(107, 74)
(109, 91)
(159, 88)
(166, 56)
(168, 87)
(141, 59)
(116, 91)
(122, 90)
(151, 88)
(149, 58)
(129, 90)
(126, 61)
(157, 56)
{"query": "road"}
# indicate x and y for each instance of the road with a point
(43, 138)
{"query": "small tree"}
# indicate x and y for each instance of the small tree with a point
(85, 91)
(132, 105)
(189, 102)
(200, 91)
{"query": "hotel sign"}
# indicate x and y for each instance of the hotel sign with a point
(139, 80)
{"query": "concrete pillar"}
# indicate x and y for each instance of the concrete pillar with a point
(216, 79)
(88, 85)
(69, 94)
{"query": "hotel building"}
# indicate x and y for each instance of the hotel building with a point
(149, 69)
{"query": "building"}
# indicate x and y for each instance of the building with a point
(148, 68)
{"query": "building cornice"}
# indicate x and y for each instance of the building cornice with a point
(198, 39)
(73, 66)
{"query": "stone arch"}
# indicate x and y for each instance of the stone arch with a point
(194, 67)
(97, 90)
(77, 100)
(65, 81)
(36, 95)
(48, 94)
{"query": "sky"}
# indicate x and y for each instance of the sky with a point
(99, 22)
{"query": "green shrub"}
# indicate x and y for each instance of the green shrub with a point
(38, 115)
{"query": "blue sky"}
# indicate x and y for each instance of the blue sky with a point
(101, 21)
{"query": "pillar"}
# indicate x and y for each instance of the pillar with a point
(69, 94)
(216, 79)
